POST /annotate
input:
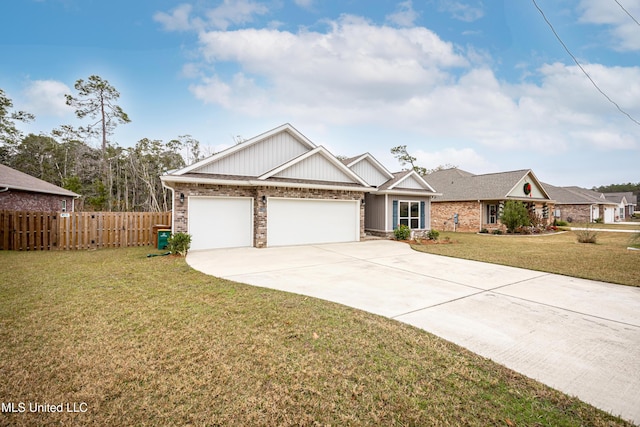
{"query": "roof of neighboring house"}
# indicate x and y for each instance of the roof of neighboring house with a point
(574, 195)
(459, 185)
(632, 199)
(16, 180)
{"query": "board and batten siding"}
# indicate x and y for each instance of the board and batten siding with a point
(369, 173)
(518, 190)
(410, 183)
(316, 167)
(374, 212)
(258, 158)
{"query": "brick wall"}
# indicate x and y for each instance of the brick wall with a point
(181, 210)
(15, 200)
(577, 213)
(468, 216)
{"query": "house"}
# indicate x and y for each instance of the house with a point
(472, 202)
(401, 198)
(576, 204)
(280, 189)
(627, 202)
(22, 192)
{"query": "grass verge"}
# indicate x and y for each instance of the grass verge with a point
(607, 260)
(149, 341)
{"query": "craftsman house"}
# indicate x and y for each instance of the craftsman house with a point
(279, 189)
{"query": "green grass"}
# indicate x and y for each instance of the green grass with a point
(608, 260)
(149, 341)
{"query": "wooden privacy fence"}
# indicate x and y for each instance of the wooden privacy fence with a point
(29, 231)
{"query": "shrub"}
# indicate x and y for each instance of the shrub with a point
(497, 231)
(484, 231)
(514, 215)
(587, 236)
(402, 232)
(433, 235)
(179, 243)
(598, 220)
(560, 223)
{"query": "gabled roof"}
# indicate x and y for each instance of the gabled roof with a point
(16, 180)
(458, 185)
(281, 157)
(288, 128)
(576, 196)
(630, 198)
(350, 162)
(401, 179)
(340, 168)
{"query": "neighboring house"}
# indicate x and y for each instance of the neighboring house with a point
(473, 202)
(575, 204)
(401, 198)
(279, 189)
(627, 202)
(22, 192)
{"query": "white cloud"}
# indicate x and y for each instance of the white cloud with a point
(463, 11)
(177, 20)
(47, 98)
(405, 16)
(228, 13)
(305, 4)
(624, 30)
(358, 73)
(465, 158)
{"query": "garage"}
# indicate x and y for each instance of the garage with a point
(220, 222)
(311, 221)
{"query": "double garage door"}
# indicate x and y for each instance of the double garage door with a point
(227, 222)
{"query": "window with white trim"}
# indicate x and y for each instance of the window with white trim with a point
(409, 214)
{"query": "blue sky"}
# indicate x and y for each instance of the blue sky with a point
(483, 85)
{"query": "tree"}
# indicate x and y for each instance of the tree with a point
(9, 134)
(400, 152)
(514, 215)
(95, 100)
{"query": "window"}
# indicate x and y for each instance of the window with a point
(492, 214)
(409, 214)
(64, 205)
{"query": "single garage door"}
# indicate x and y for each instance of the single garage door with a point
(220, 222)
(309, 221)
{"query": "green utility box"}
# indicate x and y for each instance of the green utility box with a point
(163, 238)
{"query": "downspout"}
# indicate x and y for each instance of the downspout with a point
(2, 190)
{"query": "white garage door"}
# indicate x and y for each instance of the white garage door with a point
(308, 221)
(220, 222)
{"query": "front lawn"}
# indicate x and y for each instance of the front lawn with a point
(608, 260)
(133, 340)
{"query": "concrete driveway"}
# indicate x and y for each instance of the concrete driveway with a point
(579, 336)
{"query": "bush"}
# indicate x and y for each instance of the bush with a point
(560, 223)
(433, 235)
(402, 232)
(515, 215)
(484, 231)
(497, 231)
(598, 220)
(587, 236)
(179, 243)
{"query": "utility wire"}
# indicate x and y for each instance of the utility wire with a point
(582, 68)
(627, 12)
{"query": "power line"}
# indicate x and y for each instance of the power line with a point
(627, 12)
(581, 67)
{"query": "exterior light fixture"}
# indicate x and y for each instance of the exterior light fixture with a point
(182, 198)
(264, 200)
